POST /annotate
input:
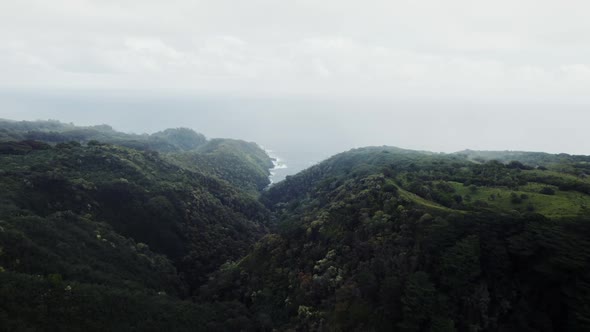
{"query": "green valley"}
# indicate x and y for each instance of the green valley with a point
(101, 230)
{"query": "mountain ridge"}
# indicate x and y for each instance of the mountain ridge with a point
(374, 238)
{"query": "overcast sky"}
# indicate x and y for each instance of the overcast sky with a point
(501, 49)
(434, 75)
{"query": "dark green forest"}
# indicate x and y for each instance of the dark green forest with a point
(106, 231)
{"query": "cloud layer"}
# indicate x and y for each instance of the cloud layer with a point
(501, 49)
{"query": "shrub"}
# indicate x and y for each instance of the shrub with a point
(515, 199)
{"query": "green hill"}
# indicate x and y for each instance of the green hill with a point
(94, 226)
(388, 239)
(53, 132)
(101, 230)
(243, 164)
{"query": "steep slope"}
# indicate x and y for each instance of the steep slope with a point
(243, 164)
(386, 239)
(171, 231)
(118, 233)
(196, 220)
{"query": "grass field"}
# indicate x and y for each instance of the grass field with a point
(562, 204)
(424, 202)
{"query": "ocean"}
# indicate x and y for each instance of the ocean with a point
(288, 163)
(300, 132)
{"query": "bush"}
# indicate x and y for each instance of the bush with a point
(390, 188)
(515, 199)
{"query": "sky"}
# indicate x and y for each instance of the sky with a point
(456, 48)
(449, 74)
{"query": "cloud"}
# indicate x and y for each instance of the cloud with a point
(578, 72)
(427, 48)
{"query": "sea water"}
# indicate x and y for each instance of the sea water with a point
(283, 168)
(299, 132)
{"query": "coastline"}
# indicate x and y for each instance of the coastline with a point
(277, 163)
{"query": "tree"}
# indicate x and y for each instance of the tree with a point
(419, 301)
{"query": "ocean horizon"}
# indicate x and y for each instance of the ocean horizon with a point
(299, 132)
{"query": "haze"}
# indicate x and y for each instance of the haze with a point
(317, 76)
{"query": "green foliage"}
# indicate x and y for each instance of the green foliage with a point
(55, 132)
(171, 232)
(244, 165)
(419, 302)
(106, 237)
(35, 303)
(182, 139)
(354, 254)
(196, 220)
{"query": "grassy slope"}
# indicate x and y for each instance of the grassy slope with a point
(572, 197)
(430, 205)
(562, 204)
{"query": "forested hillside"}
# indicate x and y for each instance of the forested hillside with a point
(389, 239)
(86, 224)
(242, 164)
(110, 231)
(169, 140)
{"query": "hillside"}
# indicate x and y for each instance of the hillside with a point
(111, 223)
(169, 140)
(389, 239)
(184, 235)
(243, 164)
(572, 164)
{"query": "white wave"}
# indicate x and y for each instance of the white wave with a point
(277, 163)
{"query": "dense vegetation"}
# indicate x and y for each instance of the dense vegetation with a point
(242, 164)
(389, 239)
(111, 231)
(83, 218)
(170, 140)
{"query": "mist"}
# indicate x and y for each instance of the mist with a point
(307, 78)
(306, 130)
